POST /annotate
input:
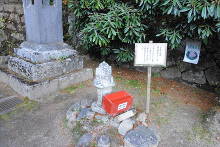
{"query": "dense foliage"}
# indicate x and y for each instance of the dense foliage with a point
(111, 27)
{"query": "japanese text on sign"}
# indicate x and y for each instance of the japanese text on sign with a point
(150, 54)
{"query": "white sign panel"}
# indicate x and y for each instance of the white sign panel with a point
(150, 54)
(192, 52)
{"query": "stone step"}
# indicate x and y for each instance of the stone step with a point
(37, 90)
(40, 72)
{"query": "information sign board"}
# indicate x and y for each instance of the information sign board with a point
(150, 54)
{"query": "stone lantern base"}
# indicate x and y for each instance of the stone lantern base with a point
(37, 70)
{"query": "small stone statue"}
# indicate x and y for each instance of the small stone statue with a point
(104, 76)
(104, 83)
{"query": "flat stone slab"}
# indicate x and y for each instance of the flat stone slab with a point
(141, 137)
(85, 140)
(43, 56)
(39, 72)
(126, 115)
(104, 141)
(41, 53)
(36, 90)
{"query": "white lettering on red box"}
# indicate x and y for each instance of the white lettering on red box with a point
(122, 106)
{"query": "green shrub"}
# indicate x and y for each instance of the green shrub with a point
(111, 27)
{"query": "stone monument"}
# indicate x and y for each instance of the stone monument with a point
(103, 82)
(44, 60)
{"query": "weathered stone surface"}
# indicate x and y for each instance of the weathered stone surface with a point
(97, 108)
(72, 108)
(114, 123)
(9, 7)
(103, 82)
(125, 126)
(18, 36)
(141, 137)
(85, 113)
(11, 27)
(125, 115)
(4, 60)
(104, 141)
(195, 77)
(213, 76)
(85, 140)
(3, 36)
(183, 66)
(37, 53)
(142, 117)
(39, 72)
(104, 119)
(171, 73)
(103, 76)
(36, 90)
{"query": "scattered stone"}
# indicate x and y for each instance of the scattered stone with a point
(125, 126)
(141, 137)
(90, 115)
(85, 140)
(84, 113)
(114, 123)
(74, 107)
(97, 108)
(195, 77)
(126, 115)
(104, 141)
(87, 126)
(72, 110)
(104, 119)
(142, 117)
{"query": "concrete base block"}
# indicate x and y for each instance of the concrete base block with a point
(36, 90)
(43, 71)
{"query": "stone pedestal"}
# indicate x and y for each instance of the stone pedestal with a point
(44, 63)
(38, 62)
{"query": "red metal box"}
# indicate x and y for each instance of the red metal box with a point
(117, 102)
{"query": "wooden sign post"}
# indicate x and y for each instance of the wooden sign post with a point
(150, 55)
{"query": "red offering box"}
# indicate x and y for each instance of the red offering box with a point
(117, 102)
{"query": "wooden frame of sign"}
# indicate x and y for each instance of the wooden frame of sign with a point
(150, 55)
